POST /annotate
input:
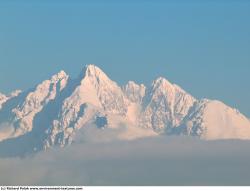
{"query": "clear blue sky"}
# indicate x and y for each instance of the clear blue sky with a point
(203, 47)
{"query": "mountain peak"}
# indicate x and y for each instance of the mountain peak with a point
(132, 83)
(15, 93)
(3, 98)
(93, 72)
(134, 91)
(160, 81)
(58, 107)
(92, 67)
(59, 76)
(163, 84)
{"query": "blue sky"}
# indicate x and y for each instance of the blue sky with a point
(203, 47)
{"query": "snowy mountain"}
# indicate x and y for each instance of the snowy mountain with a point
(20, 111)
(165, 106)
(212, 119)
(4, 98)
(92, 107)
(94, 96)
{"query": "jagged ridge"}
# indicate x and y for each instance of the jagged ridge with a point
(60, 109)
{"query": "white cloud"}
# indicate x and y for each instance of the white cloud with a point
(6, 130)
(149, 161)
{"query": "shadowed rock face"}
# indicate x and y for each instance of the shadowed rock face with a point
(101, 121)
(53, 112)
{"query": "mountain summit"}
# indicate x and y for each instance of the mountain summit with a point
(92, 107)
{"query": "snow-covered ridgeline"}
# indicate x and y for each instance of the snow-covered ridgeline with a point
(93, 102)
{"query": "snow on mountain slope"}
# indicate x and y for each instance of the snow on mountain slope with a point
(3, 98)
(22, 115)
(61, 110)
(212, 119)
(14, 93)
(6, 129)
(96, 95)
(165, 106)
(134, 92)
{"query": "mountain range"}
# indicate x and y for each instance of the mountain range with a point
(61, 110)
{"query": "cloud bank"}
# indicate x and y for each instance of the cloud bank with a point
(148, 161)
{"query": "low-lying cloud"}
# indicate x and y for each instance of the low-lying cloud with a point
(148, 161)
